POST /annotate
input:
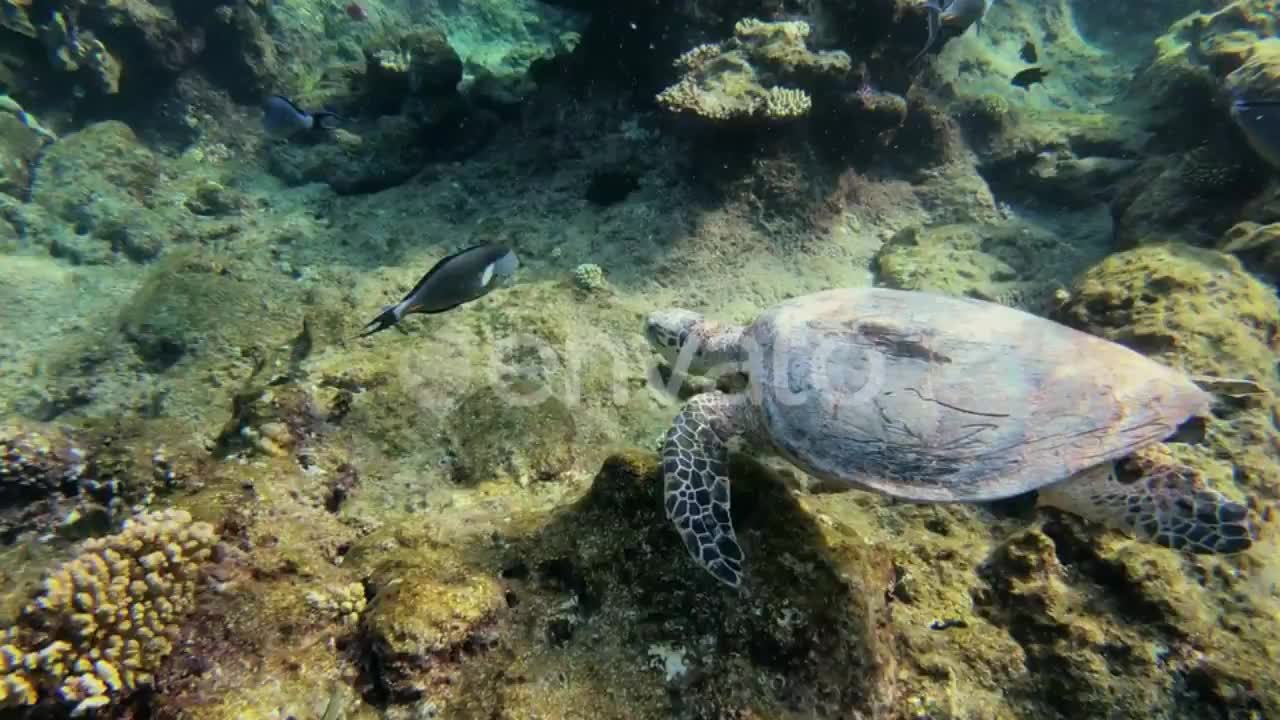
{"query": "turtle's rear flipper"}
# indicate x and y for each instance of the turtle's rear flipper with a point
(695, 475)
(1167, 504)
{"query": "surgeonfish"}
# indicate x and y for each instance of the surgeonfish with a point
(1259, 120)
(282, 119)
(956, 14)
(459, 278)
(11, 106)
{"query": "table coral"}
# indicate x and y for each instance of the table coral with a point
(103, 621)
(741, 77)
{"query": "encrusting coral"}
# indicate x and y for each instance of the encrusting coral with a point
(344, 602)
(740, 77)
(103, 621)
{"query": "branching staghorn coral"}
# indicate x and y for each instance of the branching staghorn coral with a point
(742, 77)
(103, 621)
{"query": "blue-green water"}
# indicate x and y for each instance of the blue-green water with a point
(513, 501)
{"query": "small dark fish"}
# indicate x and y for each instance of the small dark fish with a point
(282, 119)
(1029, 77)
(1259, 120)
(356, 12)
(459, 278)
(1028, 53)
(947, 624)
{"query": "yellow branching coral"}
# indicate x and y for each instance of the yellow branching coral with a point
(103, 621)
(696, 58)
(746, 76)
(786, 102)
(795, 30)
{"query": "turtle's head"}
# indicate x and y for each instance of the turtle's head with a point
(686, 337)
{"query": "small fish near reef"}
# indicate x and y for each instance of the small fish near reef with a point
(1259, 120)
(1029, 77)
(464, 276)
(1028, 52)
(357, 12)
(282, 119)
(956, 15)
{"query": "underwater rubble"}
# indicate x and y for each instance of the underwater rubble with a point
(217, 503)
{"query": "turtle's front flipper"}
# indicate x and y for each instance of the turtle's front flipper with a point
(1167, 504)
(695, 475)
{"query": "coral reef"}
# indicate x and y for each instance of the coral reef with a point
(1191, 198)
(438, 521)
(589, 278)
(414, 63)
(347, 602)
(1201, 49)
(104, 621)
(1258, 246)
(75, 482)
(71, 50)
(741, 78)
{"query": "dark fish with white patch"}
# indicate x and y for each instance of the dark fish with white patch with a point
(1028, 52)
(956, 14)
(1259, 120)
(459, 278)
(1029, 77)
(282, 119)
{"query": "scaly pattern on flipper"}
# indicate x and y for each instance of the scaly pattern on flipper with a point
(695, 471)
(1167, 504)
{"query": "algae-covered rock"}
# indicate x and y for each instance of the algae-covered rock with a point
(1015, 264)
(100, 181)
(19, 147)
(241, 53)
(805, 637)
(416, 62)
(183, 306)
(1107, 646)
(429, 612)
(1188, 198)
(523, 439)
(1195, 308)
(1198, 310)
(1205, 46)
(1257, 245)
(384, 156)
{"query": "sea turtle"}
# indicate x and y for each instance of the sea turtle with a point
(934, 399)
